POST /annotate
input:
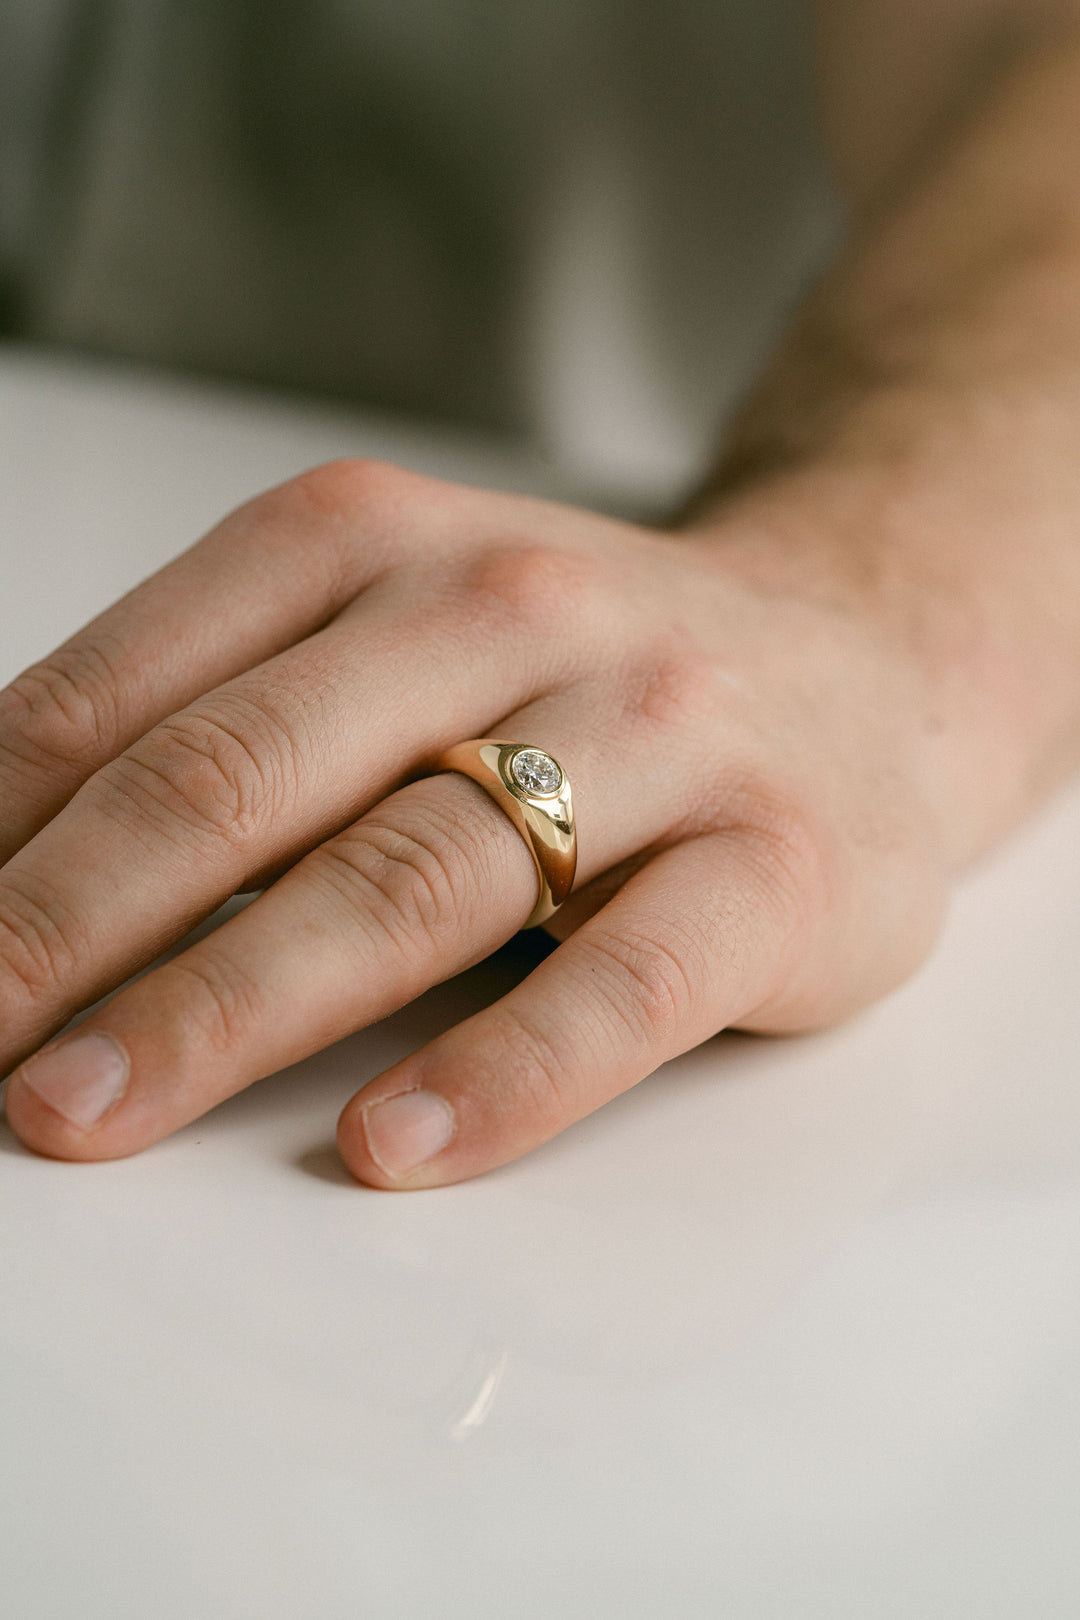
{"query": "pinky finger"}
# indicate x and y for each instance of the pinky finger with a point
(696, 940)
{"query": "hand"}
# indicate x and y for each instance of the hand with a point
(762, 838)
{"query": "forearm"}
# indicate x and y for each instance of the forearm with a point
(917, 442)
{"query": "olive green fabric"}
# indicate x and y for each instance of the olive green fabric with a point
(451, 206)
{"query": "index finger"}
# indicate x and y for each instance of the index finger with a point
(271, 573)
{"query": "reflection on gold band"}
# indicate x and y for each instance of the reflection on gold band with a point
(545, 819)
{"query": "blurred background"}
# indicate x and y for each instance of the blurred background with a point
(577, 224)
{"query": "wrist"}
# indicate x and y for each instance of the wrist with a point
(910, 454)
(979, 620)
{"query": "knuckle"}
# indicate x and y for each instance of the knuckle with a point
(410, 879)
(771, 882)
(346, 487)
(216, 998)
(532, 586)
(648, 985)
(63, 710)
(39, 949)
(542, 1078)
(218, 775)
(783, 854)
(677, 688)
(351, 509)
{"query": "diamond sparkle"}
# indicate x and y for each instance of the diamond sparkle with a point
(536, 772)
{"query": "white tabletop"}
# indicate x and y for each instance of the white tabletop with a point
(791, 1330)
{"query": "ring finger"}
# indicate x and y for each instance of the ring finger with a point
(261, 770)
(427, 882)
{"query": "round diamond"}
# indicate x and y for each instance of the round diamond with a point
(535, 772)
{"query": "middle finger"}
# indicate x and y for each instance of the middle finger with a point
(260, 770)
(426, 883)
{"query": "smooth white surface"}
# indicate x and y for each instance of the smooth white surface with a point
(791, 1330)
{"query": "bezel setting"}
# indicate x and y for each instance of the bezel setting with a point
(535, 773)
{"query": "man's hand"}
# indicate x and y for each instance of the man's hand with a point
(784, 728)
(755, 783)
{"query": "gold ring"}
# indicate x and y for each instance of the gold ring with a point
(533, 790)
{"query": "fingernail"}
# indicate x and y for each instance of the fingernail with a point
(81, 1078)
(406, 1130)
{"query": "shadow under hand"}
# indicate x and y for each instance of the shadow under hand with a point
(325, 1164)
(323, 1082)
(353, 1062)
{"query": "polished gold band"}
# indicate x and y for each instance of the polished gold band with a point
(532, 788)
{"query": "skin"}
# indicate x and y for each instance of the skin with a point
(787, 724)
